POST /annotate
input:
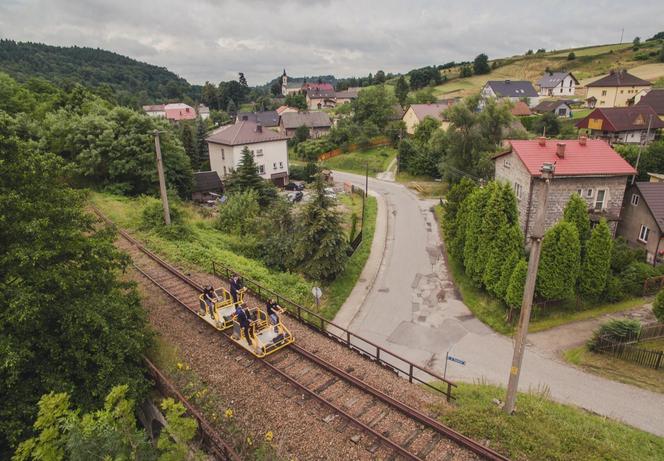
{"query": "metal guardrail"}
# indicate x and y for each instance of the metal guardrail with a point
(213, 444)
(365, 347)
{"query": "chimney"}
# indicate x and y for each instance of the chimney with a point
(541, 141)
(245, 118)
(560, 149)
(583, 140)
(259, 128)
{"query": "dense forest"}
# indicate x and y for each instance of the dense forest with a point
(110, 75)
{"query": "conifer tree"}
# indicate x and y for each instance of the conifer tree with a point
(190, 147)
(475, 238)
(505, 274)
(203, 160)
(451, 220)
(246, 178)
(322, 245)
(514, 293)
(401, 91)
(559, 263)
(596, 261)
(576, 212)
(507, 245)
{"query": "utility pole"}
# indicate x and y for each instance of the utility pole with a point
(162, 179)
(622, 31)
(536, 236)
(638, 157)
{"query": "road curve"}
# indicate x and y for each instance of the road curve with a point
(413, 309)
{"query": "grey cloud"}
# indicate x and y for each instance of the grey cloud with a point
(214, 40)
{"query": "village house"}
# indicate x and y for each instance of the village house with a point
(590, 168)
(656, 177)
(268, 118)
(417, 112)
(557, 84)
(653, 98)
(206, 184)
(155, 110)
(203, 111)
(343, 97)
(622, 124)
(642, 219)
(513, 90)
(618, 89)
(269, 149)
(319, 123)
(560, 108)
(320, 98)
(283, 109)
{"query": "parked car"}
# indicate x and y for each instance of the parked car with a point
(295, 186)
(295, 196)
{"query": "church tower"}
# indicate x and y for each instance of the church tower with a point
(284, 83)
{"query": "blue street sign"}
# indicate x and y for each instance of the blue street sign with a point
(454, 359)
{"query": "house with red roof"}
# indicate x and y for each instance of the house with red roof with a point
(269, 149)
(179, 111)
(588, 167)
(631, 125)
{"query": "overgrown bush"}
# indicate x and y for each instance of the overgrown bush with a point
(633, 277)
(658, 306)
(239, 214)
(152, 219)
(616, 330)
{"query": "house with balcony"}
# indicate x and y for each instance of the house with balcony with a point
(618, 89)
(269, 149)
(628, 125)
(588, 167)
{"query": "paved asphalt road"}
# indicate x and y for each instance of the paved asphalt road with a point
(412, 308)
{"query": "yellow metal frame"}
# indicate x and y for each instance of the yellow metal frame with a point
(262, 322)
(224, 300)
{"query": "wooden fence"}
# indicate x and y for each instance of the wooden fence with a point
(627, 348)
(376, 142)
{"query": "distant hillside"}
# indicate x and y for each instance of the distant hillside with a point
(588, 64)
(128, 81)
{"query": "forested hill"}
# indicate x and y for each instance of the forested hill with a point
(111, 75)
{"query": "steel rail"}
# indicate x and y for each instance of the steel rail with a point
(451, 434)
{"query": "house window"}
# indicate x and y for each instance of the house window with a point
(507, 164)
(281, 165)
(224, 171)
(252, 153)
(589, 193)
(518, 190)
(274, 166)
(259, 152)
(223, 156)
(599, 200)
(635, 199)
(644, 233)
(603, 92)
(261, 169)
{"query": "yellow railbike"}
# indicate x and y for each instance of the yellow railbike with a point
(221, 315)
(267, 336)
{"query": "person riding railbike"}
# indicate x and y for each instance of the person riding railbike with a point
(272, 309)
(210, 298)
(243, 317)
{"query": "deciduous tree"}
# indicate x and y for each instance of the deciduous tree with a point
(401, 90)
(481, 64)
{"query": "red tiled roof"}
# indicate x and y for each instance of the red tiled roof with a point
(179, 111)
(243, 133)
(318, 86)
(595, 158)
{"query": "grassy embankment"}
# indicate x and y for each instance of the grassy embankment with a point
(425, 186)
(545, 430)
(590, 62)
(378, 158)
(493, 312)
(206, 244)
(616, 369)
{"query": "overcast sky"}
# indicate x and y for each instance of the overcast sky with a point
(215, 39)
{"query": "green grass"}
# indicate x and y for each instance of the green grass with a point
(493, 312)
(591, 50)
(545, 430)
(613, 368)
(379, 159)
(580, 113)
(425, 186)
(653, 345)
(207, 244)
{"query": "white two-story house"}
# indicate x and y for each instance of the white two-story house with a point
(269, 149)
(557, 84)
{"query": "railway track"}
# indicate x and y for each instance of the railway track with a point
(392, 429)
